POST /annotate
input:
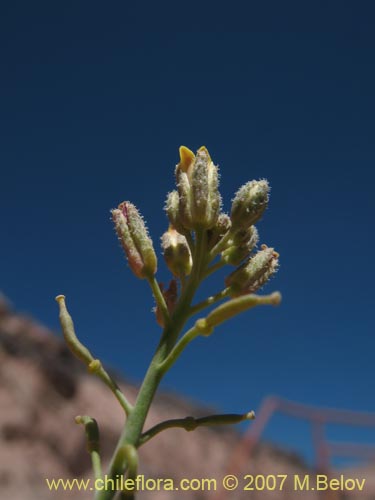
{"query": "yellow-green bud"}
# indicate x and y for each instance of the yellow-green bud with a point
(133, 235)
(197, 181)
(243, 243)
(249, 204)
(176, 252)
(238, 305)
(254, 273)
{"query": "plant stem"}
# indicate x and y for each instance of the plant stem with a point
(209, 301)
(178, 348)
(220, 245)
(159, 298)
(191, 423)
(93, 447)
(137, 416)
(121, 398)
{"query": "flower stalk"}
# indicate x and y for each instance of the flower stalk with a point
(197, 234)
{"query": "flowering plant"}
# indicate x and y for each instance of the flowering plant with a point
(199, 241)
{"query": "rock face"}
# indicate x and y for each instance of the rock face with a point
(42, 389)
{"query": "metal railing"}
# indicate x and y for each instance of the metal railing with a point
(318, 418)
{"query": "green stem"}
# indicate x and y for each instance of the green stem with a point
(159, 298)
(209, 301)
(190, 241)
(191, 423)
(220, 245)
(178, 348)
(92, 436)
(128, 454)
(183, 282)
(103, 375)
(215, 267)
(135, 422)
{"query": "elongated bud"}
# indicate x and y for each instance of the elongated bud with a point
(221, 227)
(236, 306)
(254, 273)
(249, 203)
(135, 240)
(176, 253)
(198, 183)
(67, 326)
(243, 243)
(172, 207)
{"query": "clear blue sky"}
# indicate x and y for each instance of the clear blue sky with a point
(92, 113)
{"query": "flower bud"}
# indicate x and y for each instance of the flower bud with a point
(235, 306)
(249, 204)
(197, 182)
(254, 273)
(135, 240)
(243, 243)
(172, 207)
(221, 227)
(176, 253)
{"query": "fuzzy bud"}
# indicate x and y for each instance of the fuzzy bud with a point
(254, 273)
(176, 253)
(135, 240)
(244, 242)
(249, 203)
(197, 181)
(221, 227)
(172, 207)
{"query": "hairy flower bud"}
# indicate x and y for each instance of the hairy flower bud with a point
(176, 253)
(135, 240)
(221, 227)
(243, 243)
(172, 207)
(197, 181)
(254, 273)
(249, 204)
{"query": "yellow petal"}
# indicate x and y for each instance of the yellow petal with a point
(186, 158)
(203, 149)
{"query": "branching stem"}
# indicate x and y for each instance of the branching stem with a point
(209, 301)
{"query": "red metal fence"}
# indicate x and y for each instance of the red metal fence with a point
(318, 419)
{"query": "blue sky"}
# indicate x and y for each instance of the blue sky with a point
(93, 112)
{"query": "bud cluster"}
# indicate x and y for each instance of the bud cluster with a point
(199, 199)
(194, 208)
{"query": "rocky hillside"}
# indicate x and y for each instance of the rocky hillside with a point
(42, 389)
